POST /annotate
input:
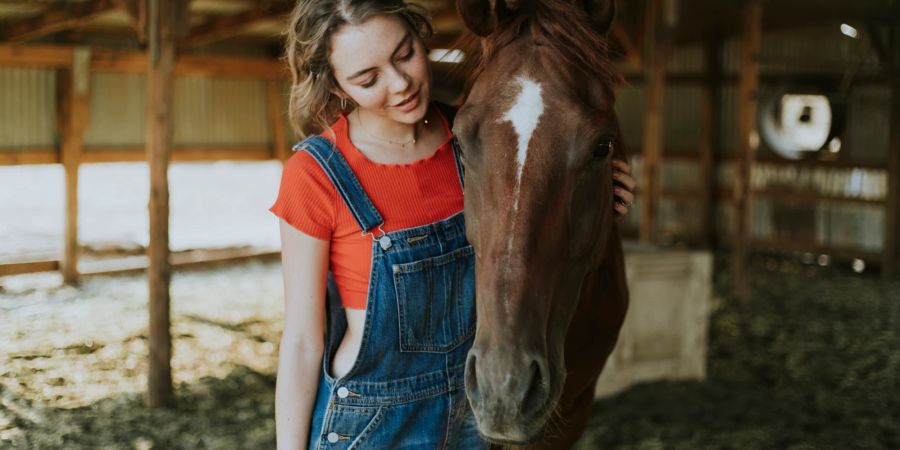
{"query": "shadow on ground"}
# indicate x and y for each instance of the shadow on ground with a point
(236, 412)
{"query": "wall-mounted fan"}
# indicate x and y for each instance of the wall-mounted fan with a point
(801, 123)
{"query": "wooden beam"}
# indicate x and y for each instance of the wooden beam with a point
(748, 140)
(57, 18)
(225, 27)
(37, 56)
(73, 115)
(20, 268)
(137, 15)
(632, 55)
(106, 60)
(167, 24)
(891, 257)
(21, 157)
(709, 136)
(280, 149)
(135, 154)
(659, 25)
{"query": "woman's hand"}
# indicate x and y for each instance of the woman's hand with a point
(623, 187)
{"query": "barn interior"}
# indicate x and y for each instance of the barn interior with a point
(764, 134)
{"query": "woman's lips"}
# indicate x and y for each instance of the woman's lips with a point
(409, 103)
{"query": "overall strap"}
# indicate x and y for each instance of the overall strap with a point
(335, 166)
(449, 113)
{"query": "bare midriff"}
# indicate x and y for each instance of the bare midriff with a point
(349, 348)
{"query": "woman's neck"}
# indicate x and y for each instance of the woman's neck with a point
(384, 129)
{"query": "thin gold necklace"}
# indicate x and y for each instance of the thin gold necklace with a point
(402, 144)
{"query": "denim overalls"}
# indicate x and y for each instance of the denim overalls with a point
(405, 389)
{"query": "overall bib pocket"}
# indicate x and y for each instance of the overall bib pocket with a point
(351, 426)
(436, 301)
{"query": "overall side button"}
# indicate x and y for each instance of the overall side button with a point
(343, 392)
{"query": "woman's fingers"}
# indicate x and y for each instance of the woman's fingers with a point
(624, 197)
(620, 209)
(622, 174)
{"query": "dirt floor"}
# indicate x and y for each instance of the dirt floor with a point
(813, 362)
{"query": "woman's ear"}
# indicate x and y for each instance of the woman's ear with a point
(482, 16)
(601, 12)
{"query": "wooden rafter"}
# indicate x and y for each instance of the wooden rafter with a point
(137, 13)
(632, 55)
(229, 26)
(56, 19)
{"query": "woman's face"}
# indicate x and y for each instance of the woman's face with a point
(382, 66)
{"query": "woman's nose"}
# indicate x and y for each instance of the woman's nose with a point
(400, 82)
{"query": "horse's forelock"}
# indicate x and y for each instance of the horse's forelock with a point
(559, 24)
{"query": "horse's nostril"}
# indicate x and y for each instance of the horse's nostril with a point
(472, 380)
(535, 394)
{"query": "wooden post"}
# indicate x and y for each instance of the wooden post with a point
(748, 140)
(74, 114)
(892, 206)
(659, 44)
(709, 136)
(167, 23)
(280, 150)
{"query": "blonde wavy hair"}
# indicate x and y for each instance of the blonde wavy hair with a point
(311, 26)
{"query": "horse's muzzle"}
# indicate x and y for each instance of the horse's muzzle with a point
(510, 393)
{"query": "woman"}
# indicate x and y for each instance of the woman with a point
(377, 201)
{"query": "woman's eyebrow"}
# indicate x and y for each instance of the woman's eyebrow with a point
(396, 49)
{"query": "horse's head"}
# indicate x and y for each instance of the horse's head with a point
(537, 133)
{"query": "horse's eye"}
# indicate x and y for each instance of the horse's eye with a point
(603, 149)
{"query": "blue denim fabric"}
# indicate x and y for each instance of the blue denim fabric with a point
(405, 389)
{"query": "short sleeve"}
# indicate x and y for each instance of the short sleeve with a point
(306, 197)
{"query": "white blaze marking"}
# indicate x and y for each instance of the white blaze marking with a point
(524, 115)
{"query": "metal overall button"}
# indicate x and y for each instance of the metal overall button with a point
(385, 242)
(343, 392)
(333, 437)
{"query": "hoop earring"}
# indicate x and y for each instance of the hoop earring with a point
(343, 103)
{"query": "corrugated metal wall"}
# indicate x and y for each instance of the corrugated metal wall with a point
(207, 111)
(814, 51)
(27, 109)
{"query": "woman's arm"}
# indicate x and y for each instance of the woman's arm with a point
(304, 261)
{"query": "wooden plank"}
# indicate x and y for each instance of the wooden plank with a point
(747, 142)
(73, 114)
(56, 18)
(36, 56)
(229, 26)
(709, 136)
(280, 150)
(133, 154)
(137, 15)
(20, 268)
(658, 51)
(632, 55)
(185, 154)
(107, 60)
(167, 24)
(21, 157)
(891, 257)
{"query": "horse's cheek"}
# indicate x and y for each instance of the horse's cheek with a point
(584, 215)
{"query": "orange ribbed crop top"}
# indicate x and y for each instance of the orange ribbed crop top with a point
(406, 195)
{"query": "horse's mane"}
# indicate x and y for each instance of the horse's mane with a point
(559, 24)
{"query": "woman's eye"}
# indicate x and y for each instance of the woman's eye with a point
(408, 54)
(370, 83)
(602, 150)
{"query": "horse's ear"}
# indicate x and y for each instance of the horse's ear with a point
(602, 13)
(482, 16)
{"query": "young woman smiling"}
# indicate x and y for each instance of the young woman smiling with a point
(376, 200)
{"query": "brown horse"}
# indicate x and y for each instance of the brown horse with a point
(537, 133)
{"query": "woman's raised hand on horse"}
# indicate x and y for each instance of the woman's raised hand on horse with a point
(623, 187)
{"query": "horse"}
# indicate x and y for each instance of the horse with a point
(536, 133)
